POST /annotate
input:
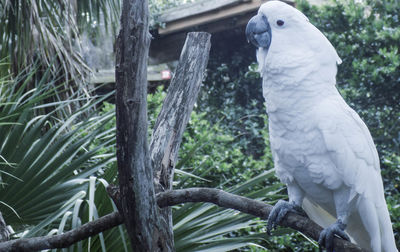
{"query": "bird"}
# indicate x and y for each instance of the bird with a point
(322, 150)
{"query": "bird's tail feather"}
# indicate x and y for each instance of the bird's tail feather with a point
(355, 226)
(317, 213)
(388, 243)
(324, 218)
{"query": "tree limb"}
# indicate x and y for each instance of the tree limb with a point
(249, 206)
(171, 198)
(64, 240)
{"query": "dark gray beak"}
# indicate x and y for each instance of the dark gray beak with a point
(258, 31)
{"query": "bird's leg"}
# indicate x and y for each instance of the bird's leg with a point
(281, 208)
(327, 235)
(343, 208)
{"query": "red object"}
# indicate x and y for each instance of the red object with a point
(166, 75)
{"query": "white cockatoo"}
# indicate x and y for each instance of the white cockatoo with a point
(322, 149)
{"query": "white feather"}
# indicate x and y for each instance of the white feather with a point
(318, 142)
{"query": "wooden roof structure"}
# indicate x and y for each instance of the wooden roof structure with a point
(205, 15)
(225, 19)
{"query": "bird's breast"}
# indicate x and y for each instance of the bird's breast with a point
(294, 138)
(300, 151)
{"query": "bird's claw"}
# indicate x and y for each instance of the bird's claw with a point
(327, 235)
(279, 211)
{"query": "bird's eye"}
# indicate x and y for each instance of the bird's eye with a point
(280, 22)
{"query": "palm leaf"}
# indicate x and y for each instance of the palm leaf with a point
(206, 227)
(46, 161)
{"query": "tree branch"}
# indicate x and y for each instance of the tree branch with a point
(64, 240)
(249, 206)
(171, 198)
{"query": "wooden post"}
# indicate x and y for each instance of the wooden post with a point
(175, 114)
(135, 174)
(147, 228)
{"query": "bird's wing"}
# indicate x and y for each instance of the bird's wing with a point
(350, 148)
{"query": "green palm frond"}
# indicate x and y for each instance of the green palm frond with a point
(206, 227)
(46, 162)
(55, 171)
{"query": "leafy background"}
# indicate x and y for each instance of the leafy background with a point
(57, 137)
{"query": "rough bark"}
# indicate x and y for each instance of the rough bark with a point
(177, 107)
(134, 168)
(175, 114)
(170, 198)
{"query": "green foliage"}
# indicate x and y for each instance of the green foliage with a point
(205, 227)
(91, 14)
(48, 164)
(49, 34)
(31, 30)
(210, 152)
(391, 175)
(232, 94)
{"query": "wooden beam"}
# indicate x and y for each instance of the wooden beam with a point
(211, 15)
(200, 7)
(154, 73)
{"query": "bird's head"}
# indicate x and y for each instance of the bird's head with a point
(274, 19)
(286, 40)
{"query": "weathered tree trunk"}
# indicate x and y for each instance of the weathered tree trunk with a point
(175, 114)
(138, 204)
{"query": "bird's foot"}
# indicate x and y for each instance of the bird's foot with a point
(279, 211)
(327, 235)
